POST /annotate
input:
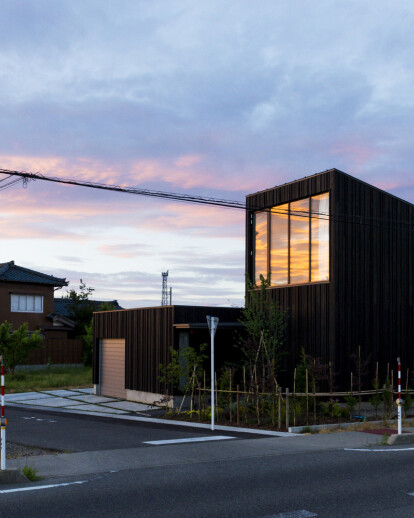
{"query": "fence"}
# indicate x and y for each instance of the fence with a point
(56, 351)
(283, 408)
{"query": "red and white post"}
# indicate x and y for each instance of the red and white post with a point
(3, 420)
(399, 400)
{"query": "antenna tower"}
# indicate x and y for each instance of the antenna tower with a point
(164, 297)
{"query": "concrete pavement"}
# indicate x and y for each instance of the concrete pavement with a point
(82, 402)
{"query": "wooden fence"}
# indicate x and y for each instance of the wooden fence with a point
(280, 408)
(56, 351)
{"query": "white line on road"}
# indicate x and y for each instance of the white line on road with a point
(384, 450)
(35, 488)
(294, 514)
(191, 439)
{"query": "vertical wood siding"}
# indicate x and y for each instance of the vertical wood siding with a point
(369, 299)
(149, 334)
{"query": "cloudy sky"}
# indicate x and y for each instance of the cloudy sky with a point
(212, 98)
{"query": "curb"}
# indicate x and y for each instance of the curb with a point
(406, 438)
(12, 476)
(155, 420)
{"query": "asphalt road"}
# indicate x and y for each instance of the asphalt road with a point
(331, 483)
(74, 432)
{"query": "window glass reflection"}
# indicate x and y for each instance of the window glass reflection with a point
(293, 258)
(299, 241)
(279, 252)
(260, 263)
(320, 238)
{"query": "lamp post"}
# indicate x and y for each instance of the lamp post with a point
(212, 327)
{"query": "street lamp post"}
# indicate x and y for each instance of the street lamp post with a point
(212, 327)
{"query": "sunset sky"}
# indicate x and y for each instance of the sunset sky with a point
(212, 98)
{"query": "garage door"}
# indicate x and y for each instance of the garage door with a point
(113, 367)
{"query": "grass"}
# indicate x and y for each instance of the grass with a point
(47, 379)
(30, 473)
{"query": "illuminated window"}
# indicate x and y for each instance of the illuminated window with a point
(27, 303)
(279, 245)
(320, 238)
(260, 246)
(292, 243)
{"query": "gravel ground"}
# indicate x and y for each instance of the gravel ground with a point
(15, 451)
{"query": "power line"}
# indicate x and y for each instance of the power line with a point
(389, 224)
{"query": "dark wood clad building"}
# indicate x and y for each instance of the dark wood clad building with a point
(130, 345)
(340, 256)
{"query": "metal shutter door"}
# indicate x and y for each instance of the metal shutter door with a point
(113, 367)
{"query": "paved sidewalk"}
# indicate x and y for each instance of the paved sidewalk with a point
(80, 400)
(83, 401)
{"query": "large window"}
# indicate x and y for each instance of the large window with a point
(292, 242)
(27, 303)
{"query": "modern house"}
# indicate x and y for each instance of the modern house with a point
(130, 345)
(339, 254)
(27, 296)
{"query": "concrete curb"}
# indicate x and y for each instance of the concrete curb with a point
(406, 438)
(12, 476)
(155, 420)
(335, 426)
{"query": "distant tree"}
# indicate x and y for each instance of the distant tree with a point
(81, 308)
(87, 337)
(15, 346)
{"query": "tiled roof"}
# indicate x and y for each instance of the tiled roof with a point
(12, 273)
(62, 305)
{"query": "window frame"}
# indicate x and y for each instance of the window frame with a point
(269, 251)
(36, 298)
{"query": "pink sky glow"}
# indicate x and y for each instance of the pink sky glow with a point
(195, 98)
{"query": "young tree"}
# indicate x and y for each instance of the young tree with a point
(82, 308)
(87, 337)
(15, 346)
(264, 335)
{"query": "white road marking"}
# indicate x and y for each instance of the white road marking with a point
(384, 450)
(191, 439)
(302, 513)
(35, 488)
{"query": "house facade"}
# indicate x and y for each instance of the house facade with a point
(28, 296)
(339, 254)
(131, 344)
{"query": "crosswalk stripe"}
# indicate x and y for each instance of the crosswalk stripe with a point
(190, 439)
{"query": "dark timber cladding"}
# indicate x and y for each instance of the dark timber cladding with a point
(149, 334)
(368, 300)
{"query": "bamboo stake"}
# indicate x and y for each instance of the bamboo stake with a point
(238, 404)
(230, 397)
(359, 380)
(216, 391)
(244, 379)
(279, 408)
(406, 381)
(257, 396)
(294, 398)
(204, 392)
(330, 380)
(287, 409)
(307, 398)
(199, 402)
(314, 392)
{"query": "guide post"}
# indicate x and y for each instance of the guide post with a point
(212, 327)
